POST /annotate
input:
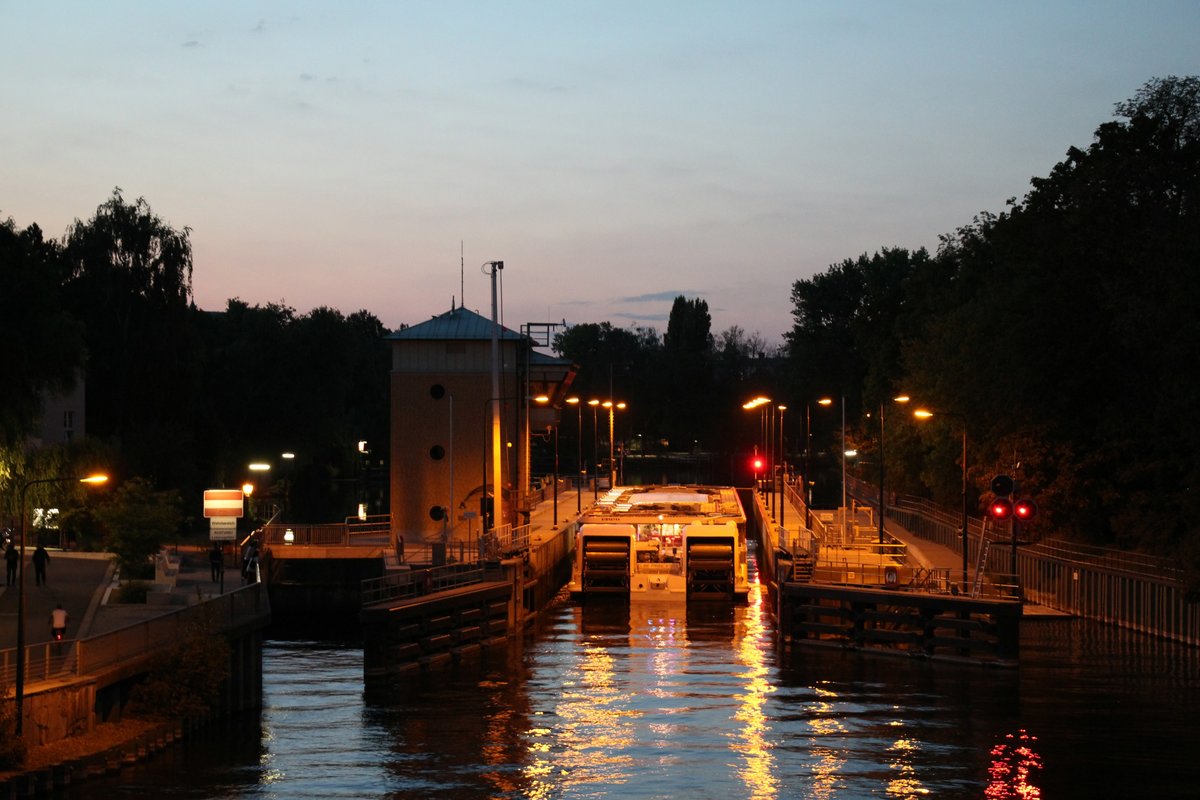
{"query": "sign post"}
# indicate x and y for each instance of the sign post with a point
(223, 508)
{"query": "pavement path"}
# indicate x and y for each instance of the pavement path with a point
(72, 579)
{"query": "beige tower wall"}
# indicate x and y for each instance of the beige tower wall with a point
(421, 421)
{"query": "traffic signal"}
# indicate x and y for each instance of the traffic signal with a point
(1003, 485)
(1001, 508)
(757, 464)
(1025, 509)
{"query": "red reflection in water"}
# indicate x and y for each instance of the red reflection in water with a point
(1014, 761)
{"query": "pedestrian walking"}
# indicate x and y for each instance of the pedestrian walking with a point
(250, 563)
(40, 559)
(12, 557)
(216, 560)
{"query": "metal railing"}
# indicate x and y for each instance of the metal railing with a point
(373, 530)
(77, 657)
(1138, 591)
(418, 582)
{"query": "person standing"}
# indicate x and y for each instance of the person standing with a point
(40, 559)
(12, 557)
(216, 560)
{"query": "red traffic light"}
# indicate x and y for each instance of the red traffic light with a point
(1001, 508)
(1025, 509)
(757, 463)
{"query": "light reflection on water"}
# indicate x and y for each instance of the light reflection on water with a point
(659, 701)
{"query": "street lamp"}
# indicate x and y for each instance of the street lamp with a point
(594, 403)
(923, 414)
(91, 480)
(882, 502)
(766, 437)
(828, 401)
(542, 399)
(574, 401)
(806, 479)
(782, 467)
(612, 462)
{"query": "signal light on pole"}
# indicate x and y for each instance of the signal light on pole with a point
(1001, 508)
(1025, 509)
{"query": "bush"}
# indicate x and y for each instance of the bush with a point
(12, 747)
(186, 678)
(133, 592)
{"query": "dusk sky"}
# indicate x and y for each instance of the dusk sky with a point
(613, 155)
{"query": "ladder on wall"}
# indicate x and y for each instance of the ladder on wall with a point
(991, 535)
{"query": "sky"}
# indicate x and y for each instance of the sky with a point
(614, 155)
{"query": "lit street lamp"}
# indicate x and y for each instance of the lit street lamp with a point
(594, 403)
(782, 467)
(542, 399)
(612, 463)
(574, 401)
(92, 480)
(828, 401)
(922, 413)
(882, 502)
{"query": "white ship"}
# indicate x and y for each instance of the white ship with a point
(651, 542)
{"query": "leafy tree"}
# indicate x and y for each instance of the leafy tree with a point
(618, 363)
(130, 282)
(1068, 318)
(137, 521)
(43, 342)
(687, 367)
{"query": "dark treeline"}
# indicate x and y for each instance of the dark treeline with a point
(1063, 331)
(1061, 334)
(178, 396)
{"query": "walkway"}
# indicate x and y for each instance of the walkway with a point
(920, 552)
(82, 583)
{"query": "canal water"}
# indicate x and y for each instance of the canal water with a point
(603, 701)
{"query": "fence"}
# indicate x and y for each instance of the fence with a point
(1131, 590)
(372, 530)
(475, 563)
(417, 582)
(74, 658)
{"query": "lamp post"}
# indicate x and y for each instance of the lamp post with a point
(783, 468)
(574, 401)
(594, 403)
(882, 502)
(806, 479)
(542, 399)
(922, 413)
(92, 480)
(751, 405)
(828, 401)
(612, 407)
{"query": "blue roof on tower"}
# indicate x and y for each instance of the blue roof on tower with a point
(457, 323)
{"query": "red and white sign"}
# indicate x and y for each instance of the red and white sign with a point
(222, 502)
